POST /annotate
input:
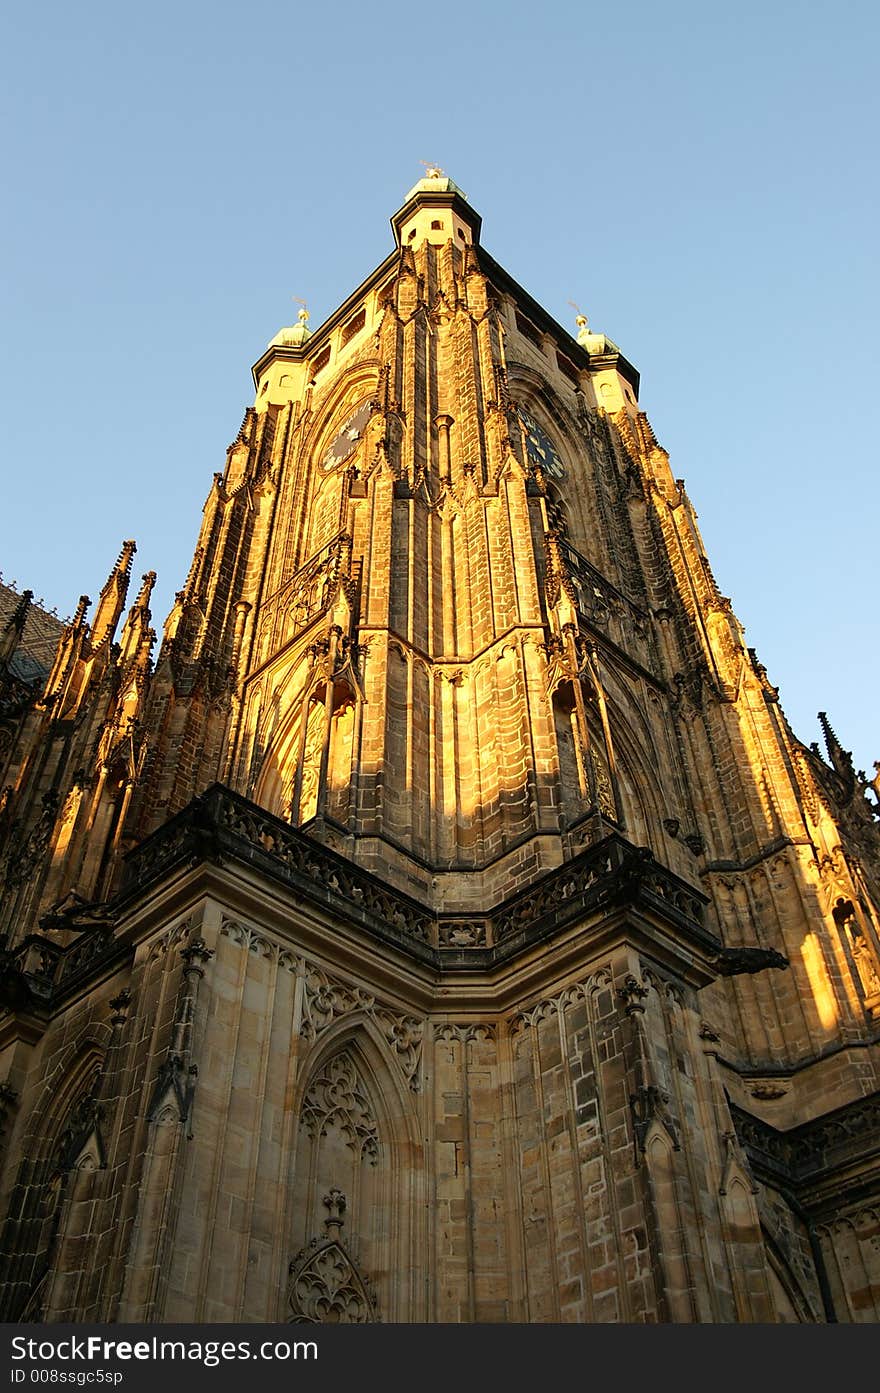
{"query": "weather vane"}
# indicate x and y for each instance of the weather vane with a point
(303, 313)
(432, 171)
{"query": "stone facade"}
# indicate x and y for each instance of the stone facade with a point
(447, 926)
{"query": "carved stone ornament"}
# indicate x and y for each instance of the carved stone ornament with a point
(25, 854)
(173, 1091)
(83, 1123)
(337, 1098)
(327, 999)
(768, 1092)
(465, 1033)
(120, 1006)
(604, 792)
(336, 1204)
(865, 964)
(404, 1035)
(462, 934)
(632, 994)
(326, 1287)
(862, 954)
(649, 1104)
(195, 955)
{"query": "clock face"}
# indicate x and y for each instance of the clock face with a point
(346, 441)
(539, 447)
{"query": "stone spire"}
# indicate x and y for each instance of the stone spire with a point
(112, 597)
(840, 759)
(10, 638)
(136, 631)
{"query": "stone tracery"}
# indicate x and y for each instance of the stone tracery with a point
(336, 1097)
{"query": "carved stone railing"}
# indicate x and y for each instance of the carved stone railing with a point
(35, 963)
(38, 957)
(222, 825)
(40, 971)
(81, 957)
(848, 1137)
(596, 588)
(609, 873)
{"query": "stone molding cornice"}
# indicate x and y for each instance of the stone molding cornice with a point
(603, 882)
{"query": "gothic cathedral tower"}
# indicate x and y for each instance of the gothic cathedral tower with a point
(448, 926)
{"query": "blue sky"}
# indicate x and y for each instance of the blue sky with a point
(700, 178)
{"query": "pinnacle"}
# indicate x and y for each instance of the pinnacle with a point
(836, 753)
(21, 609)
(14, 627)
(148, 580)
(123, 562)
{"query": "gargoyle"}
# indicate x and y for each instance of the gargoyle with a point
(731, 962)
